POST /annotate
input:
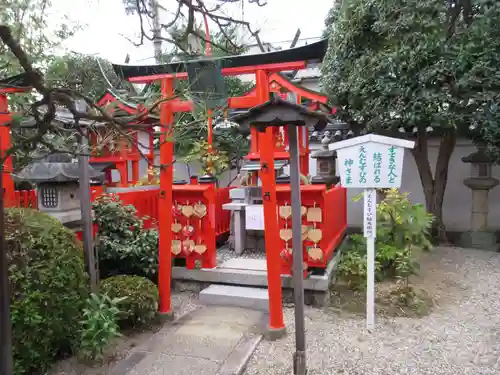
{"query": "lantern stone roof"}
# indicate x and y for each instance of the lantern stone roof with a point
(55, 168)
(279, 112)
(477, 157)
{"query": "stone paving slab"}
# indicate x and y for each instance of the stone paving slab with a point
(211, 340)
(245, 264)
(237, 296)
(165, 364)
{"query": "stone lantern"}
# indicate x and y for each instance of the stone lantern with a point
(480, 182)
(325, 158)
(56, 178)
(325, 163)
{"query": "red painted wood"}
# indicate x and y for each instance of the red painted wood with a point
(203, 228)
(243, 102)
(280, 67)
(23, 199)
(5, 120)
(316, 97)
(108, 99)
(333, 204)
(271, 233)
(145, 203)
(165, 204)
(222, 217)
(79, 234)
(10, 90)
(335, 216)
(181, 105)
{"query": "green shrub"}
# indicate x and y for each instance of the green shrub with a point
(146, 248)
(49, 287)
(141, 303)
(402, 231)
(99, 326)
(123, 245)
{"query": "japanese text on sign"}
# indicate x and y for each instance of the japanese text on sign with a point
(348, 171)
(392, 165)
(370, 219)
(362, 165)
(377, 166)
(370, 165)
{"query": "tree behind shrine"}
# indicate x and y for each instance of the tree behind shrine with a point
(416, 68)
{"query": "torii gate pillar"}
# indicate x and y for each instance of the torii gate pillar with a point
(268, 178)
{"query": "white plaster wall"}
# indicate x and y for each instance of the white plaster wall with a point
(181, 171)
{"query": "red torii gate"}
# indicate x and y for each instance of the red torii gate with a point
(125, 154)
(263, 66)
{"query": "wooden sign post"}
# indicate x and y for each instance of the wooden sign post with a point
(370, 162)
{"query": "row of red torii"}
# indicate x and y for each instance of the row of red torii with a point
(189, 216)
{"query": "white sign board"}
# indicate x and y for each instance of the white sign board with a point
(371, 161)
(254, 217)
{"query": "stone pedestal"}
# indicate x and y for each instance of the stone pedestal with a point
(479, 213)
(239, 202)
(478, 240)
(238, 225)
(478, 237)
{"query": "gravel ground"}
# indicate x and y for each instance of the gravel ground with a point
(460, 336)
(184, 302)
(224, 254)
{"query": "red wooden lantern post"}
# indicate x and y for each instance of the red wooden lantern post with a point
(165, 204)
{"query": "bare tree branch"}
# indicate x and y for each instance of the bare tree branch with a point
(185, 15)
(44, 110)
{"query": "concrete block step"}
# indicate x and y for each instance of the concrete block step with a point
(239, 296)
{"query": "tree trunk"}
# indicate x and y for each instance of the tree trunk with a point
(434, 187)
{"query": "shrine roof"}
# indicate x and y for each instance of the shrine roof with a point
(65, 118)
(116, 97)
(18, 81)
(333, 132)
(312, 52)
(294, 84)
(124, 107)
